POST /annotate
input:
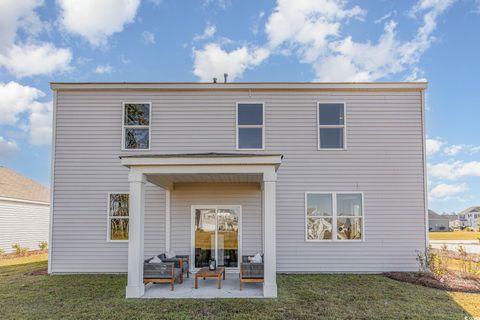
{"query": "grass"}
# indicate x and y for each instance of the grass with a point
(300, 297)
(455, 235)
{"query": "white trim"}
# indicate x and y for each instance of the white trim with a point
(335, 216)
(238, 127)
(424, 156)
(344, 126)
(113, 217)
(197, 161)
(167, 219)
(24, 201)
(52, 182)
(240, 85)
(137, 126)
(192, 232)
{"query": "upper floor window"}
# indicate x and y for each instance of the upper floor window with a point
(331, 126)
(118, 217)
(334, 216)
(250, 126)
(136, 126)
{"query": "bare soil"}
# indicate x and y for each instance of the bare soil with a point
(449, 282)
(38, 272)
(13, 255)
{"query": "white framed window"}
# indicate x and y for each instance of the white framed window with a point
(334, 216)
(331, 121)
(117, 217)
(250, 126)
(136, 125)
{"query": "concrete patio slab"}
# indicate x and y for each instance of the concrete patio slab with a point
(207, 289)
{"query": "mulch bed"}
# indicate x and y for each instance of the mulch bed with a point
(39, 272)
(449, 282)
(13, 255)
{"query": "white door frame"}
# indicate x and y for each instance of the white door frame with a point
(192, 232)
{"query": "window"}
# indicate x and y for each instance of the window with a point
(250, 126)
(331, 126)
(136, 126)
(117, 217)
(334, 216)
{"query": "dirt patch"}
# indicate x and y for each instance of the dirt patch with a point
(13, 255)
(449, 282)
(39, 272)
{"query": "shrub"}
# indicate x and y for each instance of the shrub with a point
(2, 251)
(43, 245)
(431, 261)
(469, 229)
(19, 250)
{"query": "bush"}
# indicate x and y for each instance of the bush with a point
(2, 251)
(43, 245)
(19, 250)
(469, 229)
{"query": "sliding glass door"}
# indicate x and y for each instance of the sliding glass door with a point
(216, 235)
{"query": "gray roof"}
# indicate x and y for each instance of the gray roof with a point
(13, 185)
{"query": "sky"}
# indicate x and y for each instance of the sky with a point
(298, 40)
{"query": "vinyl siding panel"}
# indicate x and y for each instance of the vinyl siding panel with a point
(384, 160)
(23, 223)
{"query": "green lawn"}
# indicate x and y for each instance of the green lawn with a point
(300, 297)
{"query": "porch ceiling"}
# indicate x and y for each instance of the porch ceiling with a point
(168, 179)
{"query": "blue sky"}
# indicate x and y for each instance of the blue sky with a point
(298, 40)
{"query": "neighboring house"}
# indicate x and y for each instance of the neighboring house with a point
(24, 211)
(319, 177)
(470, 217)
(437, 222)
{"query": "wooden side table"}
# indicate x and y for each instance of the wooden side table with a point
(206, 273)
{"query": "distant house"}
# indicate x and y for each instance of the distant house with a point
(24, 211)
(437, 222)
(470, 217)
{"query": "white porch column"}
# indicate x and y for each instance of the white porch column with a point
(269, 235)
(167, 220)
(135, 287)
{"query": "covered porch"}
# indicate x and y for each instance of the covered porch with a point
(171, 172)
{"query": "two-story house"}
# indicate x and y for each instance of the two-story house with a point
(317, 177)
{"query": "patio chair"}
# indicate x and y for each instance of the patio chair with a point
(250, 271)
(161, 272)
(181, 261)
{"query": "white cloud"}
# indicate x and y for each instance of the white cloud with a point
(256, 23)
(455, 170)
(103, 69)
(453, 149)
(28, 57)
(433, 146)
(209, 32)
(445, 191)
(368, 62)
(148, 37)
(16, 15)
(7, 148)
(312, 30)
(31, 59)
(213, 61)
(40, 123)
(17, 100)
(96, 20)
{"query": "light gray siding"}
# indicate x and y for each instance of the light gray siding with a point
(23, 223)
(384, 159)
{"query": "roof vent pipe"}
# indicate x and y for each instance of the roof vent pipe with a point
(214, 80)
(225, 76)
